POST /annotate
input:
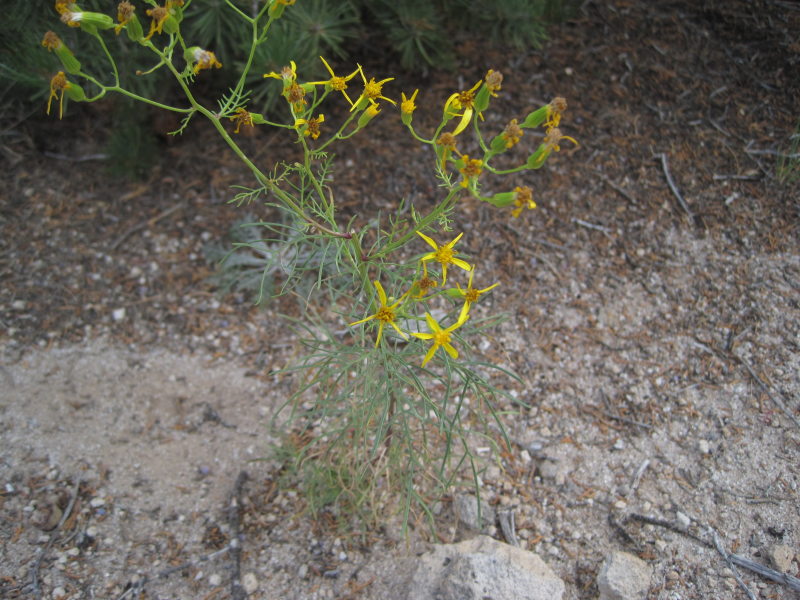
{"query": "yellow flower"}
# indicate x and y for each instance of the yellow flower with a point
(470, 294)
(385, 314)
(312, 126)
(444, 255)
(461, 101)
(336, 82)
(441, 337)
(242, 117)
(523, 198)
(373, 91)
(407, 105)
(58, 84)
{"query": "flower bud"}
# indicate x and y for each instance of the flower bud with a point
(500, 200)
(53, 43)
(536, 160)
(75, 92)
(134, 29)
(369, 113)
(90, 22)
(535, 118)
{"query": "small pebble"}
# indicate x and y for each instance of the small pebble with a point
(780, 555)
(214, 580)
(704, 447)
(97, 502)
(250, 583)
(118, 314)
(59, 593)
(683, 521)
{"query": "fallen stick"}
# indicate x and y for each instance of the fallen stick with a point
(765, 388)
(672, 185)
(776, 576)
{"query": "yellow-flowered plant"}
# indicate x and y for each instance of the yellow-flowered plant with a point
(388, 411)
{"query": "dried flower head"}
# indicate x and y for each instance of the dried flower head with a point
(512, 133)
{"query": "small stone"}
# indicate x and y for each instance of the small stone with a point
(59, 593)
(97, 502)
(704, 447)
(683, 521)
(661, 545)
(620, 504)
(250, 583)
(466, 509)
(118, 314)
(781, 556)
(214, 580)
(18, 304)
(619, 444)
(302, 571)
(623, 576)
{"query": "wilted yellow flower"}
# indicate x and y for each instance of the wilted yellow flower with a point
(512, 133)
(288, 74)
(58, 84)
(312, 126)
(204, 59)
(159, 14)
(441, 337)
(385, 314)
(554, 110)
(444, 255)
(125, 12)
(471, 170)
(241, 117)
(424, 283)
(523, 198)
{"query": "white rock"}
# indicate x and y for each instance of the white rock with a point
(781, 556)
(623, 576)
(683, 520)
(214, 579)
(483, 568)
(118, 314)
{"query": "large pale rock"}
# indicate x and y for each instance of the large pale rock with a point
(483, 568)
(623, 576)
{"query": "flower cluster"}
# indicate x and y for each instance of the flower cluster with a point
(388, 312)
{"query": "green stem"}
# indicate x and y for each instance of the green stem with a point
(110, 58)
(437, 212)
